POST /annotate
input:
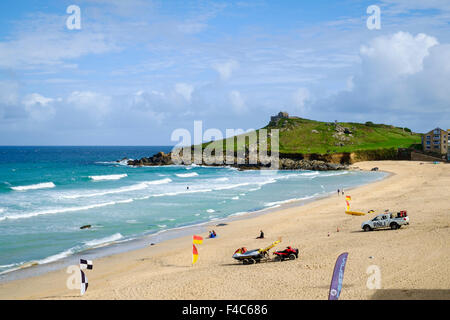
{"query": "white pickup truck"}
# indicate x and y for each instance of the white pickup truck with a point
(386, 220)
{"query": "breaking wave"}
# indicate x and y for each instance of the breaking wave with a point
(103, 241)
(62, 210)
(186, 175)
(108, 177)
(135, 187)
(44, 185)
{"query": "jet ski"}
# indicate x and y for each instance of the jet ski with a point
(253, 256)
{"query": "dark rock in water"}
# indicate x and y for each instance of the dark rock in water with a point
(374, 169)
(221, 224)
(88, 226)
(159, 159)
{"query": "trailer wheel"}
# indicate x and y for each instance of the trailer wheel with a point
(277, 258)
(292, 256)
(367, 228)
(251, 261)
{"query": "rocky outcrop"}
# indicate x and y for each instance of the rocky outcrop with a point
(342, 134)
(162, 159)
(159, 159)
(290, 164)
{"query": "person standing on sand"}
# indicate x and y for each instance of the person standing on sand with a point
(338, 191)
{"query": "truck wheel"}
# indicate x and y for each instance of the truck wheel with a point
(292, 256)
(394, 226)
(367, 228)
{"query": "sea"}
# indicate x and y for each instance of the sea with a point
(48, 193)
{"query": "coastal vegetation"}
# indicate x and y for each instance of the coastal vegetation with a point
(304, 136)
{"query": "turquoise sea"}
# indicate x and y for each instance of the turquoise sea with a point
(48, 193)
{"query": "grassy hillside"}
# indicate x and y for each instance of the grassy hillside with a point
(309, 136)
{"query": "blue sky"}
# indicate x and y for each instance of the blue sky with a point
(137, 70)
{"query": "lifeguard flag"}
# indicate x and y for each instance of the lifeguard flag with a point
(194, 254)
(197, 240)
(348, 198)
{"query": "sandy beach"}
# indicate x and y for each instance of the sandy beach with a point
(414, 261)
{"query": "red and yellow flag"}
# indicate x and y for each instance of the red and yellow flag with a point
(197, 240)
(194, 254)
(347, 199)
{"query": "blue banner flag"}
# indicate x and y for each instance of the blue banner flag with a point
(338, 277)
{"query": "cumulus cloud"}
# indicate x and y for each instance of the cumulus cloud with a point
(397, 54)
(39, 107)
(403, 79)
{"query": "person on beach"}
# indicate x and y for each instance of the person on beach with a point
(338, 191)
(342, 192)
(261, 235)
(212, 234)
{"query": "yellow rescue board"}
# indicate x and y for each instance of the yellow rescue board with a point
(355, 213)
(270, 247)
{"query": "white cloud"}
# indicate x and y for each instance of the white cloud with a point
(404, 79)
(300, 97)
(225, 69)
(43, 41)
(184, 90)
(192, 27)
(237, 102)
(95, 104)
(398, 54)
(39, 107)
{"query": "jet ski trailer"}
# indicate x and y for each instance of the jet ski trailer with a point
(253, 256)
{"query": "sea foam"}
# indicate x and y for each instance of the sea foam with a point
(103, 241)
(62, 210)
(44, 185)
(187, 175)
(135, 187)
(108, 177)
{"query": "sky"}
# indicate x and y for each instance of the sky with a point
(137, 70)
